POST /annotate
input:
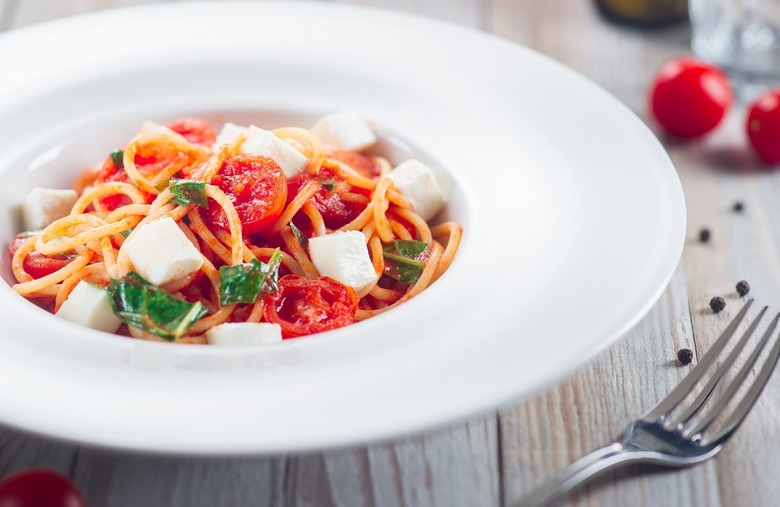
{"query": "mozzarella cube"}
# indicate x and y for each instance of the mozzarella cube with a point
(345, 131)
(90, 306)
(229, 133)
(418, 184)
(161, 253)
(244, 333)
(43, 206)
(344, 257)
(265, 142)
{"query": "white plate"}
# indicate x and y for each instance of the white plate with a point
(573, 214)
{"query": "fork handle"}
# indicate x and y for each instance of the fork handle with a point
(577, 473)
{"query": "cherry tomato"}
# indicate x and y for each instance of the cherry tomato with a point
(689, 97)
(256, 186)
(763, 126)
(36, 264)
(359, 162)
(334, 210)
(195, 130)
(39, 487)
(302, 306)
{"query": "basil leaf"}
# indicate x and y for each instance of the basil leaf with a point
(248, 282)
(405, 260)
(118, 158)
(329, 185)
(300, 237)
(188, 191)
(140, 304)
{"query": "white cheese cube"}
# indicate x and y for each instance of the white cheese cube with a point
(345, 131)
(90, 306)
(244, 333)
(228, 135)
(344, 257)
(161, 253)
(265, 142)
(43, 206)
(418, 184)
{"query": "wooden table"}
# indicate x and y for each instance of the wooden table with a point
(499, 457)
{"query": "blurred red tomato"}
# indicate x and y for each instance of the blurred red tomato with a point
(763, 126)
(38, 487)
(689, 97)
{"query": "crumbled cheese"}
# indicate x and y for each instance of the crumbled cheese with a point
(161, 253)
(244, 333)
(418, 184)
(344, 257)
(345, 131)
(43, 206)
(89, 306)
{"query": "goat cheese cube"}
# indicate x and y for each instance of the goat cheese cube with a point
(228, 134)
(345, 131)
(265, 142)
(418, 184)
(43, 206)
(90, 306)
(344, 257)
(244, 333)
(161, 253)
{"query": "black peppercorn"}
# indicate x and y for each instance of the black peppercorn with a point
(685, 356)
(704, 235)
(743, 287)
(738, 207)
(717, 304)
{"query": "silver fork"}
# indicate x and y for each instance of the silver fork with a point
(663, 437)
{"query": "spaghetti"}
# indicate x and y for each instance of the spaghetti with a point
(251, 221)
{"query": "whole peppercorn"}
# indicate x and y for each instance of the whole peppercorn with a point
(704, 235)
(685, 356)
(717, 304)
(743, 287)
(738, 207)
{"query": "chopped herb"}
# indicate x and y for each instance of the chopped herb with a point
(248, 282)
(717, 304)
(405, 260)
(126, 232)
(685, 356)
(140, 304)
(189, 191)
(118, 158)
(743, 288)
(300, 237)
(329, 185)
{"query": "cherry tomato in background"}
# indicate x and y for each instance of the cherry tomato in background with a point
(195, 130)
(38, 487)
(763, 126)
(303, 307)
(256, 186)
(689, 97)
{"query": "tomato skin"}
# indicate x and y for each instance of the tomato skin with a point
(38, 487)
(195, 130)
(303, 307)
(256, 186)
(763, 126)
(335, 212)
(689, 97)
(36, 264)
(359, 162)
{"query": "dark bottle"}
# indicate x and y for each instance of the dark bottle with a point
(646, 13)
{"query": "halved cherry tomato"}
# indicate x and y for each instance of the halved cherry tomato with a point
(37, 487)
(303, 307)
(256, 186)
(36, 264)
(334, 210)
(359, 162)
(763, 126)
(689, 97)
(195, 130)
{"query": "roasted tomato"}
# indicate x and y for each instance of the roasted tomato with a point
(689, 97)
(195, 130)
(303, 307)
(256, 186)
(36, 264)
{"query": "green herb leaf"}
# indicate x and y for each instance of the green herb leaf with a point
(328, 184)
(118, 158)
(300, 237)
(140, 304)
(405, 260)
(188, 191)
(248, 282)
